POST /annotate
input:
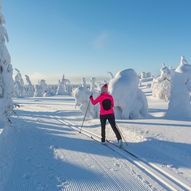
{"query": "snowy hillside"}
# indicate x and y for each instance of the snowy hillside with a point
(44, 152)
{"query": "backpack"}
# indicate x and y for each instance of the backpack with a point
(106, 103)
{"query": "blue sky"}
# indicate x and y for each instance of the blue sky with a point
(92, 37)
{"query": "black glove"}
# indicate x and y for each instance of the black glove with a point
(91, 96)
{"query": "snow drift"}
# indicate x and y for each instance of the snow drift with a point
(130, 102)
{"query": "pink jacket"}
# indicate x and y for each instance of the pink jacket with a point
(100, 99)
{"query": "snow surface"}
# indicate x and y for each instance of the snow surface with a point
(42, 152)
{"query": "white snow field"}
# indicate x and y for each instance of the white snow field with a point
(43, 151)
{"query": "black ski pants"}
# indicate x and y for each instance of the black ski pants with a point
(111, 119)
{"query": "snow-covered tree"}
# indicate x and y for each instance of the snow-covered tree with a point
(63, 87)
(93, 84)
(19, 90)
(172, 71)
(111, 75)
(51, 91)
(29, 88)
(6, 81)
(161, 85)
(145, 75)
(84, 83)
(81, 95)
(130, 102)
(41, 89)
(179, 105)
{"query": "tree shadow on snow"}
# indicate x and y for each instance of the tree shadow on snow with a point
(38, 142)
(153, 123)
(43, 158)
(175, 155)
(160, 151)
(39, 99)
(163, 112)
(154, 110)
(60, 114)
(152, 150)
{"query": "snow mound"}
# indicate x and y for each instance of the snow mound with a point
(179, 105)
(130, 102)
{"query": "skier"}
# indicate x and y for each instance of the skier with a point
(106, 112)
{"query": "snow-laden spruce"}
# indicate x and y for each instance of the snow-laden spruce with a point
(161, 85)
(41, 89)
(6, 81)
(84, 82)
(64, 87)
(82, 94)
(130, 102)
(19, 89)
(179, 105)
(145, 77)
(29, 88)
(93, 84)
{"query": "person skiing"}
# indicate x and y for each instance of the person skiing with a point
(106, 112)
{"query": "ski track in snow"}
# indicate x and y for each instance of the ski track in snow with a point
(153, 170)
(41, 153)
(45, 155)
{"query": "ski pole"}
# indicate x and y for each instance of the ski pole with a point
(85, 116)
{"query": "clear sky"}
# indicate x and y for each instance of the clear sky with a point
(93, 37)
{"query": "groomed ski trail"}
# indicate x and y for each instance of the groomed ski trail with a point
(170, 181)
(41, 154)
